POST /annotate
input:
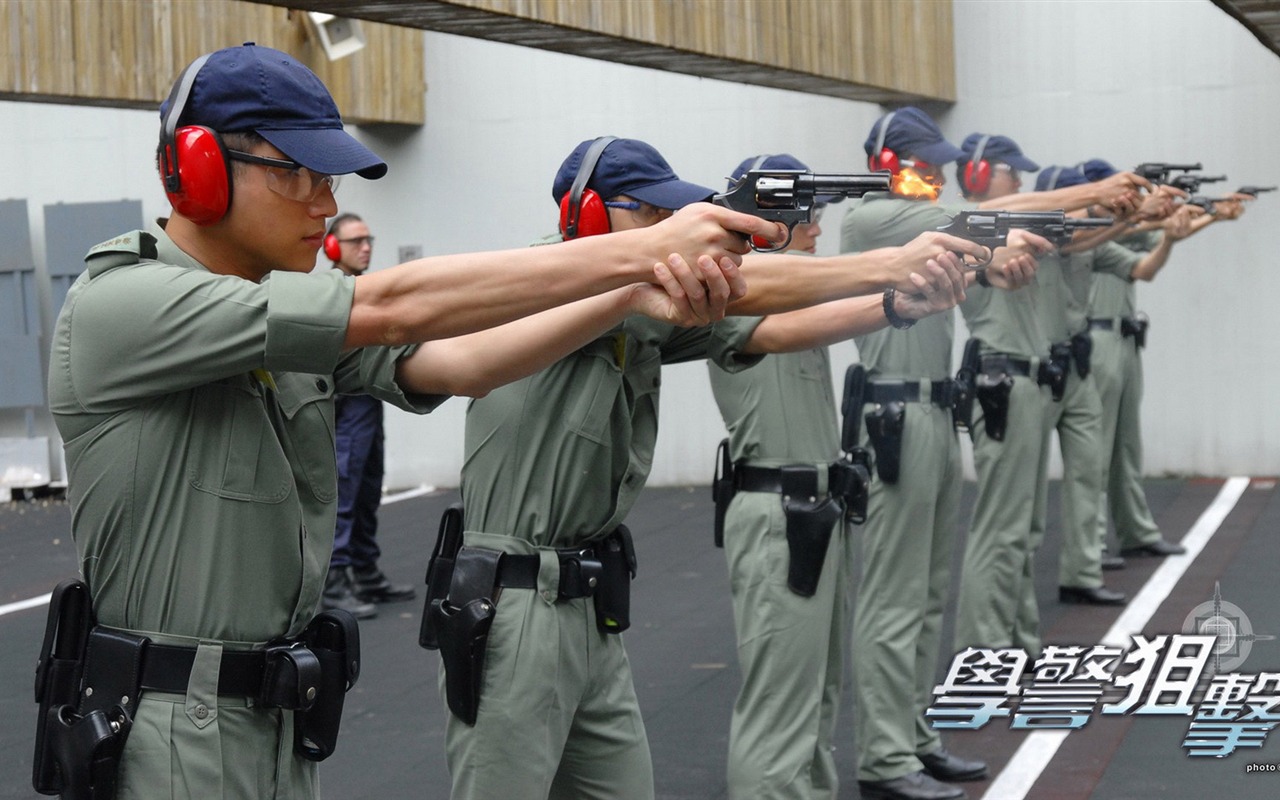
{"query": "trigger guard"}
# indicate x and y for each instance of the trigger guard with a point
(758, 241)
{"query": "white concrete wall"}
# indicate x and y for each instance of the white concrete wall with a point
(1163, 80)
(1128, 81)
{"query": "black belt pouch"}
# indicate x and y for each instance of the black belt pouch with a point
(884, 427)
(612, 598)
(87, 742)
(1082, 352)
(333, 637)
(58, 673)
(1137, 328)
(992, 392)
(809, 525)
(440, 570)
(461, 622)
(722, 489)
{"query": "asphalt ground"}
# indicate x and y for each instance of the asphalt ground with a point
(682, 652)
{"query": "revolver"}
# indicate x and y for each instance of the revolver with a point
(790, 196)
(1158, 171)
(1254, 191)
(991, 228)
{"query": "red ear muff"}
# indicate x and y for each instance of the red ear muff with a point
(203, 175)
(582, 210)
(593, 217)
(977, 173)
(977, 176)
(333, 248)
(885, 159)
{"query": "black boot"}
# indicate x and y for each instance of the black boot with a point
(339, 593)
(373, 586)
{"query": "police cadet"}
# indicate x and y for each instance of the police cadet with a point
(789, 555)
(1119, 334)
(914, 498)
(355, 582)
(1065, 282)
(537, 681)
(192, 378)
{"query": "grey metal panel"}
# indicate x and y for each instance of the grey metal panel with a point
(19, 301)
(21, 380)
(70, 229)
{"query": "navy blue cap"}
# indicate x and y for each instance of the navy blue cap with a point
(779, 161)
(1001, 149)
(1059, 178)
(913, 132)
(1095, 169)
(270, 93)
(633, 168)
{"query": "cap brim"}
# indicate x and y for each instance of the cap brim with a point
(938, 152)
(331, 151)
(1020, 163)
(670, 194)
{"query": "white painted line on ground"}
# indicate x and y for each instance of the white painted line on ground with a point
(22, 605)
(407, 494)
(1038, 749)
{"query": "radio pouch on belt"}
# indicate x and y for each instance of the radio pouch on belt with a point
(884, 427)
(461, 622)
(58, 674)
(333, 638)
(992, 392)
(722, 489)
(612, 597)
(440, 570)
(962, 390)
(810, 521)
(1082, 352)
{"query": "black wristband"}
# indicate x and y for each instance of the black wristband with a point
(890, 314)
(983, 280)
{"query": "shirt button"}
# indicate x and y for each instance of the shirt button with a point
(202, 711)
(322, 385)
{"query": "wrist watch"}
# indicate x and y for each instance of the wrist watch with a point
(891, 314)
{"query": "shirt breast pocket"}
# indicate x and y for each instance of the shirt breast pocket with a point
(236, 453)
(307, 404)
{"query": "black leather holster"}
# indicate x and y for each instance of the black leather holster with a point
(992, 391)
(1137, 328)
(810, 522)
(722, 489)
(885, 426)
(1053, 372)
(1082, 353)
(461, 622)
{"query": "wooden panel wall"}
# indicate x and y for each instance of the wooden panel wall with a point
(127, 53)
(882, 50)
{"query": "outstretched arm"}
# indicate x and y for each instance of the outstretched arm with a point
(450, 295)
(786, 282)
(474, 364)
(835, 321)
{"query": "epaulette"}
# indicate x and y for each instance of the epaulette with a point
(127, 248)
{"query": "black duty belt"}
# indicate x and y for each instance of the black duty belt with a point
(167, 668)
(1096, 324)
(879, 391)
(521, 571)
(751, 478)
(1010, 365)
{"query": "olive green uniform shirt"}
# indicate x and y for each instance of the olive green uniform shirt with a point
(197, 415)
(1065, 281)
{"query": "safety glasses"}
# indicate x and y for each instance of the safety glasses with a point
(289, 178)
